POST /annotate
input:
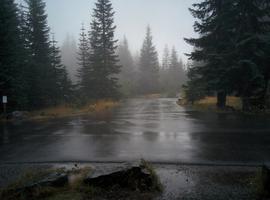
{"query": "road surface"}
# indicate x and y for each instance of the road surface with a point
(157, 130)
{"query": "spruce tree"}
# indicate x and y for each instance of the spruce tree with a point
(149, 66)
(12, 76)
(84, 71)
(63, 86)
(69, 57)
(41, 73)
(103, 58)
(252, 30)
(215, 45)
(176, 73)
(234, 47)
(127, 75)
(166, 58)
(196, 86)
(164, 75)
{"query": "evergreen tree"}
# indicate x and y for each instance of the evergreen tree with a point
(12, 76)
(234, 47)
(164, 75)
(252, 25)
(27, 57)
(196, 87)
(176, 73)
(127, 75)
(41, 72)
(215, 45)
(63, 88)
(172, 75)
(166, 58)
(69, 57)
(149, 66)
(103, 58)
(84, 71)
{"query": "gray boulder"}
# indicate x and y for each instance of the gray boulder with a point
(133, 178)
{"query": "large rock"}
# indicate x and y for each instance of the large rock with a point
(133, 178)
(52, 180)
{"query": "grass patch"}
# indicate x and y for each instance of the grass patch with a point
(99, 107)
(73, 190)
(16, 191)
(157, 186)
(209, 103)
(32, 176)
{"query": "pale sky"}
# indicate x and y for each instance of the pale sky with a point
(170, 21)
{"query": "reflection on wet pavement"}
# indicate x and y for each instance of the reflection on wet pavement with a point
(155, 129)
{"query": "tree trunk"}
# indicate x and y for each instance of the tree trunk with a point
(221, 100)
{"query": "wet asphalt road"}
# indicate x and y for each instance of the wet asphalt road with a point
(154, 129)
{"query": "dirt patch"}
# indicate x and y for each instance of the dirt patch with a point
(100, 110)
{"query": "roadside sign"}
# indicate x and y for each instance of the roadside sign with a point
(4, 99)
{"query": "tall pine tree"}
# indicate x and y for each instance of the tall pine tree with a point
(84, 71)
(149, 66)
(251, 53)
(103, 58)
(234, 47)
(164, 75)
(69, 57)
(166, 58)
(42, 80)
(215, 45)
(12, 68)
(63, 86)
(176, 73)
(128, 74)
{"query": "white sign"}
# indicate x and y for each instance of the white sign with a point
(4, 99)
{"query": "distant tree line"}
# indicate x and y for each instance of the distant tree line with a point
(232, 53)
(172, 73)
(139, 75)
(33, 76)
(144, 74)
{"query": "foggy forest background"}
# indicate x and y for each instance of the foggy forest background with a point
(230, 57)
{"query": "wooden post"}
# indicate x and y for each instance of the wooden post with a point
(5, 110)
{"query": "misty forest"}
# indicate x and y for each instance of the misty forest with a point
(138, 99)
(230, 57)
(37, 73)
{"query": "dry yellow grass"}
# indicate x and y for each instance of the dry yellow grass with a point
(101, 107)
(209, 103)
